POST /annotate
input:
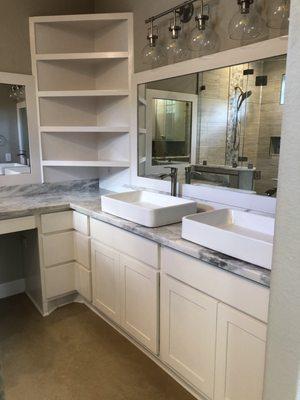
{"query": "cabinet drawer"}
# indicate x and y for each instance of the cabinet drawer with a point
(55, 222)
(59, 280)
(135, 246)
(83, 279)
(81, 223)
(82, 249)
(235, 291)
(58, 248)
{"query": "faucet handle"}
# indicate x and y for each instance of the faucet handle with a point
(173, 169)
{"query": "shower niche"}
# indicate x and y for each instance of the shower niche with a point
(227, 132)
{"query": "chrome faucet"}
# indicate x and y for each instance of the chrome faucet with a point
(173, 176)
(189, 173)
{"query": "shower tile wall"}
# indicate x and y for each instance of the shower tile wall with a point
(213, 107)
(270, 124)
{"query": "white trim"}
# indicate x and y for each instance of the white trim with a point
(33, 134)
(252, 52)
(12, 288)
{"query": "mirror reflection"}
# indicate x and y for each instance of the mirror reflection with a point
(219, 127)
(14, 143)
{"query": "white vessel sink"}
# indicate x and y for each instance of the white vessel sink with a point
(239, 234)
(147, 208)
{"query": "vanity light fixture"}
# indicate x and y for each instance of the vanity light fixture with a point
(278, 14)
(153, 53)
(175, 46)
(247, 23)
(202, 37)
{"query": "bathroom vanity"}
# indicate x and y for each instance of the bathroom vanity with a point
(201, 315)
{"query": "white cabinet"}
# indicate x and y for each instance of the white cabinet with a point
(140, 301)
(59, 280)
(106, 280)
(83, 281)
(240, 356)
(82, 249)
(58, 248)
(188, 333)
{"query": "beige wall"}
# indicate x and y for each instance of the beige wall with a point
(222, 11)
(14, 33)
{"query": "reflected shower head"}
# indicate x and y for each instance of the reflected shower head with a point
(242, 97)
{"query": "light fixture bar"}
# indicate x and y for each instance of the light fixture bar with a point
(171, 10)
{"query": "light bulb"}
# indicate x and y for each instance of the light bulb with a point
(153, 53)
(203, 41)
(246, 24)
(175, 46)
(202, 38)
(278, 14)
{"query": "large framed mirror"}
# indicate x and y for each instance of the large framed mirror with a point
(233, 128)
(220, 127)
(19, 136)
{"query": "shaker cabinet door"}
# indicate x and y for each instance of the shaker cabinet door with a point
(240, 357)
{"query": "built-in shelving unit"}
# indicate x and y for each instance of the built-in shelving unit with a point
(82, 66)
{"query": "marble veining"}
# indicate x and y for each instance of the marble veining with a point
(86, 199)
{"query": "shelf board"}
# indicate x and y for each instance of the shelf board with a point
(82, 56)
(83, 129)
(142, 131)
(143, 101)
(104, 163)
(82, 93)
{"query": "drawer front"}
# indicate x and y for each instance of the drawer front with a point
(17, 225)
(58, 248)
(235, 291)
(55, 222)
(81, 223)
(59, 280)
(128, 243)
(82, 248)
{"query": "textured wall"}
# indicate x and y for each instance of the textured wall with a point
(14, 29)
(221, 13)
(283, 351)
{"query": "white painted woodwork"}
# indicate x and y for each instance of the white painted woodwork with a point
(83, 66)
(252, 52)
(84, 129)
(82, 56)
(17, 225)
(128, 243)
(59, 280)
(106, 280)
(79, 163)
(238, 292)
(188, 333)
(58, 248)
(240, 356)
(55, 222)
(140, 301)
(83, 281)
(81, 223)
(82, 248)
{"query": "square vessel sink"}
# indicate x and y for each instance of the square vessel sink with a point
(147, 208)
(239, 234)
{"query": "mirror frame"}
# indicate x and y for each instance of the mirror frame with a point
(35, 176)
(233, 197)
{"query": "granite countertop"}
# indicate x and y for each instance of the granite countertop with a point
(86, 199)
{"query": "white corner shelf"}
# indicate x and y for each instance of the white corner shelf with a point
(83, 93)
(103, 163)
(104, 55)
(84, 129)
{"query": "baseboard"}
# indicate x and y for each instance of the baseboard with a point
(12, 288)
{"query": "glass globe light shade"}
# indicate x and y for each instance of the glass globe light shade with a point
(246, 26)
(176, 49)
(278, 14)
(203, 41)
(154, 56)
